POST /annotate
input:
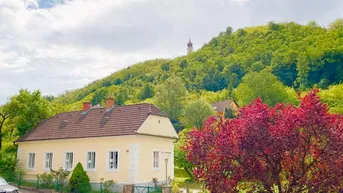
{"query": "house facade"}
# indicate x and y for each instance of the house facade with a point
(128, 144)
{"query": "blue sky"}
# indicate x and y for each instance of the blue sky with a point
(58, 45)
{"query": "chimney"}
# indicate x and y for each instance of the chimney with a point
(86, 106)
(109, 103)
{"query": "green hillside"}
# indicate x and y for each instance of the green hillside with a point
(301, 56)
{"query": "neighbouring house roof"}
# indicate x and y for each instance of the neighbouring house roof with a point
(220, 106)
(96, 122)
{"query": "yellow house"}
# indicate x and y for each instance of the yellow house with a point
(129, 144)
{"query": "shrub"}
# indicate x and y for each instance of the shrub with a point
(79, 180)
(46, 180)
(60, 176)
(107, 185)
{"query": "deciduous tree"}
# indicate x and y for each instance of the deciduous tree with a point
(170, 97)
(279, 149)
(196, 113)
(264, 85)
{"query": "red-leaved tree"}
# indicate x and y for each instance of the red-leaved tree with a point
(278, 149)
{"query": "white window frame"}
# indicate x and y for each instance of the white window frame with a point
(108, 160)
(45, 160)
(28, 161)
(65, 161)
(153, 160)
(86, 161)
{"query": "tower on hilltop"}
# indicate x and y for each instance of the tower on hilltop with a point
(189, 47)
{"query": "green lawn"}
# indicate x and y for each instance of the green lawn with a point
(181, 177)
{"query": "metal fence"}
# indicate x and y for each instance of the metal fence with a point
(38, 184)
(147, 189)
(96, 187)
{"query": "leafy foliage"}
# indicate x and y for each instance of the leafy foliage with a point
(170, 97)
(108, 185)
(79, 180)
(196, 112)
(279, 149)
(180, 156)
(264, 85)
(26, 110)
(300, 56)
(60, 177)
(45, 180)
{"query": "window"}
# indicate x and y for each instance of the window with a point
(113, 159)
(91, 160)
(31, 161)
(156, 159)
(48, 160)
(69, 158)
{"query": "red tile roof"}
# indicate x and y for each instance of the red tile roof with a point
(96, 122)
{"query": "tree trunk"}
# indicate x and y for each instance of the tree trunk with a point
(189, 172)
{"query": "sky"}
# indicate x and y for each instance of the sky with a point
(59, 45)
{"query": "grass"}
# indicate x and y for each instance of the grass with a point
(181, 178)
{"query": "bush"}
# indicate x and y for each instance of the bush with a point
(7, 166)
(107, 185)
(60, 176)
(46, 180)
(79, 180)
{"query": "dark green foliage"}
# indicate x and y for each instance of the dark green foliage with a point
(183, 64)
(8, 165)
(146, 92)
(79, 180)
(121, 96)
(165, 66)
(99, 96)
(177, 125)
(229, 113)
(117, 81)
(214, 81)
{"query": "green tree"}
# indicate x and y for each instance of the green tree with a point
(79, 180)
(337, 24)
(196, 113)
(146, 92)
(180, 155)
(26, 110)
(3, 117)
(264, 85)
(170, 96)
(99, 96)
(333, 97)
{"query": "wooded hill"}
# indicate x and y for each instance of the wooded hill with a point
(300, 56)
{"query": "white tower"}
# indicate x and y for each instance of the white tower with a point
(189, 47)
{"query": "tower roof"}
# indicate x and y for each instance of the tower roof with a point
(190, 44)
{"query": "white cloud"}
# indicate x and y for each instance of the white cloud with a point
(73, 42)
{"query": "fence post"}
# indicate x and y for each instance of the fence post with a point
(148, 189)
(100, 187)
